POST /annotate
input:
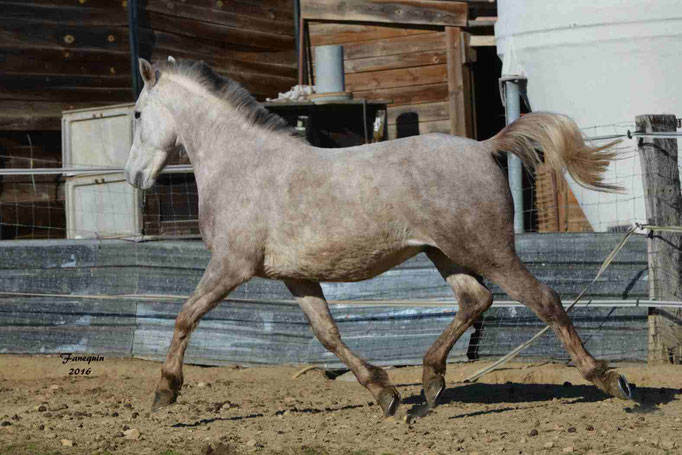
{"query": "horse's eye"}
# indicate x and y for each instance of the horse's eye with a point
(137, 114)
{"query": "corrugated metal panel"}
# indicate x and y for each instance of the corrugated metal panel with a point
(269, 332)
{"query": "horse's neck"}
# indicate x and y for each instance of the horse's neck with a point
(218, 139)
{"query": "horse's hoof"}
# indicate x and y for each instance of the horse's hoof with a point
(616, 385)
(389, 399)
(163, 398)
(624, 390)
(433, 390)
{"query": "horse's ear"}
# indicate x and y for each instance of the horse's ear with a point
(147, 72)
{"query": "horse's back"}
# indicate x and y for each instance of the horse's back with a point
(353, 213)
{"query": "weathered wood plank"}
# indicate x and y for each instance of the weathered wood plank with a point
(216, 32)
(48, 13)
(25, 115)
(429, 12)
(422, 112)
(397, 45)
(60, 61)
(91, 95)
(401, 77)
(322, 33)
(408, 95)
(413, 59)
(26, 34)
(456, 99)
(225, 16)
(27, 81)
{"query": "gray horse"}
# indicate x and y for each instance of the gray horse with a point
(273, 206)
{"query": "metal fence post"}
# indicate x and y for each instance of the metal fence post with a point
(513, 112)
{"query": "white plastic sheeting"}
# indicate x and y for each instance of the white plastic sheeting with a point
(602, 63)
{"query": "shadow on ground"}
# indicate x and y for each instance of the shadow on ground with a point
(645, 399)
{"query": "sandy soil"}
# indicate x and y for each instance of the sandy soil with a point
(542, 409)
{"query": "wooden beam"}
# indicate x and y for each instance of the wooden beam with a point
(401, 77)
(663, 203)
(322, 33)
(455, 59)
(427, 12)
(407, 95)
(411, 60)
(393, 46)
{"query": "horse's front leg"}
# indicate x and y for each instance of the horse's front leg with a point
(311, 300)
(220, 278)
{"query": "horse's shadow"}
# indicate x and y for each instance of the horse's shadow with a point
(645, 399)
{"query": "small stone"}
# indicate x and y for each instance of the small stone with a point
(589, 428)
(483, 431)
(131, 434)
(677, 419)
(42, 408)
(571, 429)
(567, 384)
(54, 387)
(533, 432)
(201, 384)
(41, 427)
(114, 414)
(549, 445)
(67, 443)
(6, 423)
(568, 449)
(135, 415)
(251, 443)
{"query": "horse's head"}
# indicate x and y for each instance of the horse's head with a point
(156, 137)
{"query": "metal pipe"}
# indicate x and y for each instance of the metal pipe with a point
(171, 169)
(133, 47)
(513, 112)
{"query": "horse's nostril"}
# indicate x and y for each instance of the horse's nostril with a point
(138, 180)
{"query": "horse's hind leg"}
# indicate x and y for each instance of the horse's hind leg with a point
(473, 298)
(311, 300)
(516, 281)
(219, 279)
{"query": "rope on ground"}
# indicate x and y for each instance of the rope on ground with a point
(517, 350)
(305, 370)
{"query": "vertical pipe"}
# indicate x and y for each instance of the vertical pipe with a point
(134, 48)
(513, 111)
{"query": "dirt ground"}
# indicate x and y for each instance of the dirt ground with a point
(522, 409)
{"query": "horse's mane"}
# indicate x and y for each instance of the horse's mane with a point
(228, 90)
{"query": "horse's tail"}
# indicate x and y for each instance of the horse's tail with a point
(562, 145)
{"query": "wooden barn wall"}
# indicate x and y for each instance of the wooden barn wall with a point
(65, 54)
(405, 64)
